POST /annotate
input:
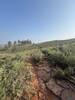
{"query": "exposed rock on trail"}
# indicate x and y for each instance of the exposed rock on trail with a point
(43, 75)
(48, 89)
(56, 89)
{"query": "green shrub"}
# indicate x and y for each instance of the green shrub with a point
(45, 52)
(64, 74)
(59, 74)
(71, 61)
(56, 59)
(35, 59)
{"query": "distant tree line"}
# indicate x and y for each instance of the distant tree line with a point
(19, 42)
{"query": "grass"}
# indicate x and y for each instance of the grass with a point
(15, 75)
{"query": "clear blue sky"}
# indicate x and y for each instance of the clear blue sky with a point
(38, 20)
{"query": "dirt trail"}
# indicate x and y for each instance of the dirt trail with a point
(42, 93)
(46, 87)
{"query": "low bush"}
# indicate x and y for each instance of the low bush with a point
(56, 59)
(71, 61)
(59, 74)
(13, 79)
(35, 59)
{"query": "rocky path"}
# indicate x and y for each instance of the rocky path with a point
(46, 86)
(42, 75)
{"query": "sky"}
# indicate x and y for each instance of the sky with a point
(38, 20)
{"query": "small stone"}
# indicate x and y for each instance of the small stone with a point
(52, 86)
